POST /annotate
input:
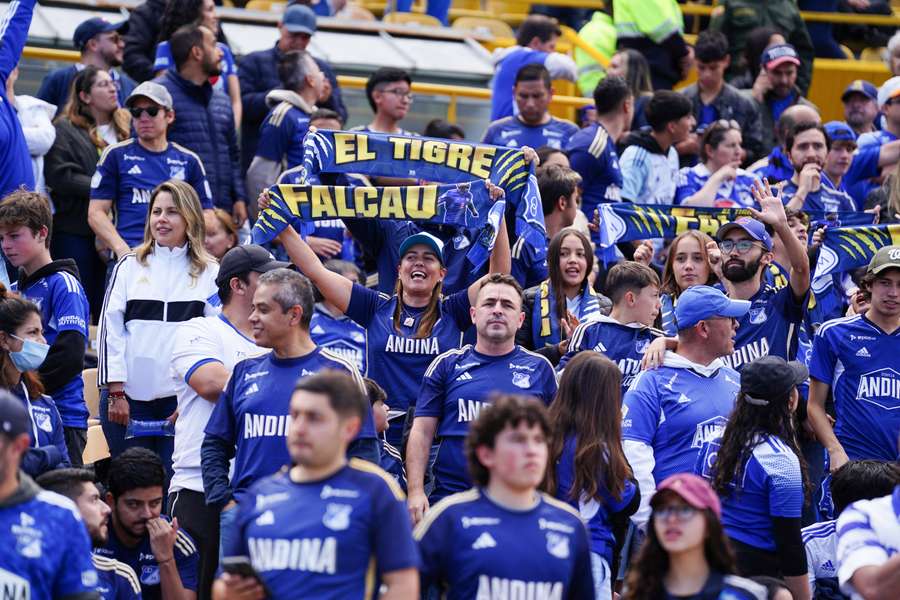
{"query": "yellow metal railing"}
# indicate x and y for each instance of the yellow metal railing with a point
(702, 10)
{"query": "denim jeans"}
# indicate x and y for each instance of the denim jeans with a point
(154, 410)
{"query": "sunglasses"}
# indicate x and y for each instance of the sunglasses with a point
(136, 112)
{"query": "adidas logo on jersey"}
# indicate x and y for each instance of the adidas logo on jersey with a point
(828, 566)
(317, 330)
(863, 352)
(485, 540)
(252, 389)
(600, 347)
(682, 399)
(464, 377)
(135, 170)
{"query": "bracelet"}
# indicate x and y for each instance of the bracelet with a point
(117, 395)
(162, 562)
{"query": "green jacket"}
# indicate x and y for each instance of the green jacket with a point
(600, 33)
(737, 18)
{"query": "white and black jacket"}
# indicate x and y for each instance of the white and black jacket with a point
(142, 308)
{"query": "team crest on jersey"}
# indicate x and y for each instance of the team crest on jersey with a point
(149, 575)
(640, 346)
(557, 544)
(42, 420)
(337, 516)
(28, 538)
(177, 172)
(522, 380)
(758, 315)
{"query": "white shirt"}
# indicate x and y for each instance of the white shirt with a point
(868, 535)
(197, 342)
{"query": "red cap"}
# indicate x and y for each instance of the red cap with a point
(693, 489)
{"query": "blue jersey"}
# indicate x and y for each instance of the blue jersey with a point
(56, 290)
(281, 135)
(667, 314)
(458, 384)
(502, 104)
(676, 408)
(116, 580)
(127, 173)
(513, 133)
(46, 553)
(623, 344)
(771, 486)
(476, 548)
(825, 198)
(339, 335)
(875, 138)
(457, 204)
(774, 168)
(227, 66)
(596, 514)
(326, 539)
(857, 181)
(592, 154)
(48, 440)
(735, 192)
(771, 326)
(253, 411)
(14, 156)
(859, 361)
(143, 562)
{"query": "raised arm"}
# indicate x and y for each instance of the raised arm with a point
(13, 34)
(501, 256)
(773, 214)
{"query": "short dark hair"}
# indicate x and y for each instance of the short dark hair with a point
(541, 27)
(31, 209)
(610, 94)
(666, 106)
(66, 482)
(225, 287)
(325, 113)
(504, 279)
(545, 152)
(533, 72)
(504, 410)
(862, 480)
(136, 468)
(629, 276)
(374, 391)
(711, 46)
(296, 290)
(803, 128)
(555, 181)
(439, 128)
(381, 76)
(184, 40)
(343, 391)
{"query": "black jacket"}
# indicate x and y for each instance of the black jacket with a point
(68, 167)
(141, 39)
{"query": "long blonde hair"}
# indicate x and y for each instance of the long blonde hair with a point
(188, 205)
(78, 113)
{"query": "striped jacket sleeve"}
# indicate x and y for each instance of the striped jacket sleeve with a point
(111, 355)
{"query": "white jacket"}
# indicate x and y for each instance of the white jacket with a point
(144, 305)
(35, 115)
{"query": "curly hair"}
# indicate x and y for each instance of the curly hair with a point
(179, 13)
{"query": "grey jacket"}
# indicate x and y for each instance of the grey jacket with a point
(731, 104)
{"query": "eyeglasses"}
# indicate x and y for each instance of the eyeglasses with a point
(742, 246)
(681, 512)
(136, 112)
(403, 94)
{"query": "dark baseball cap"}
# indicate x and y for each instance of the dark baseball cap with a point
(778, 55)
(14, 420)
(863, 87)
(770, 377)
(754, 229)
(246, 259)
(95, 26)
(299, 18)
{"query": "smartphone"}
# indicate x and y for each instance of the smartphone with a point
(241, 567)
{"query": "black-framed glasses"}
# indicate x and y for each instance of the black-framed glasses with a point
(742, 246)
(136, 112)
(681, 512)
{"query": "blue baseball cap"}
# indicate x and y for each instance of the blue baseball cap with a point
(433, 243)
(754, 229)
(95, 26)
(838, 131)
(299, 18)
(778, 55)
(863, 87)
(701, 302)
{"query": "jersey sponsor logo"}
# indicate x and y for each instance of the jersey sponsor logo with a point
(28, 538)
(485, 540)
(267, 518)
(747, 353)
(333, 492)
(14, 587)
(403, 345)
(863, 352)
(555, 526)
(500, 588)
(132, 157)
(522, 367)
(257, 375)
(468, 410)
(708, 430)
(521, 380)
(508, 133)
(265, 500)
(175, 161)
(265, 425)
(315, 555)
(465, 366)
(337, 516)
(479, 521)
(881, 388)
(869, 338)
(558, 545)
(71, 320)
(140, 196)
(135, 170)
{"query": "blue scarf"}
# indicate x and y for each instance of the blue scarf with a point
(544, 320)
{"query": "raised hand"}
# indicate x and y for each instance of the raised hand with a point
(772, 212)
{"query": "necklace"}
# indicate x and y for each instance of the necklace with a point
(407, 319)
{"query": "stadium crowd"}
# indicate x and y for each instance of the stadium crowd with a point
(442, 405)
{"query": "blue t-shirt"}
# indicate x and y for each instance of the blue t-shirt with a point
(779, 105)
(595, 513)
(502, 104)
(857, 181)
(623, 344)
(117, 581)
(253, 411)
(513, 133)
(142, 560)
(127, 173)
(708, 114)
(676, 409)
(775, 167)
(593, 155)
(458, 384)
(771, 326)
(227, 66)
(826, 198)
(46, 553)
(14, 156)
(326, 539)
(771, 486)
(859, 361)
(737, 192)
(64, 307)
(48, 440)
(339, 335)
(281, 135)
(479, 549)
(875, 138)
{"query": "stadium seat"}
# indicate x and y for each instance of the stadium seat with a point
(414, 19)
(483, 25)
(91, 393)
(848, 53)
(468, 4)
(355, 12)
(265, 5)
(96, 448)
(873, 54)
